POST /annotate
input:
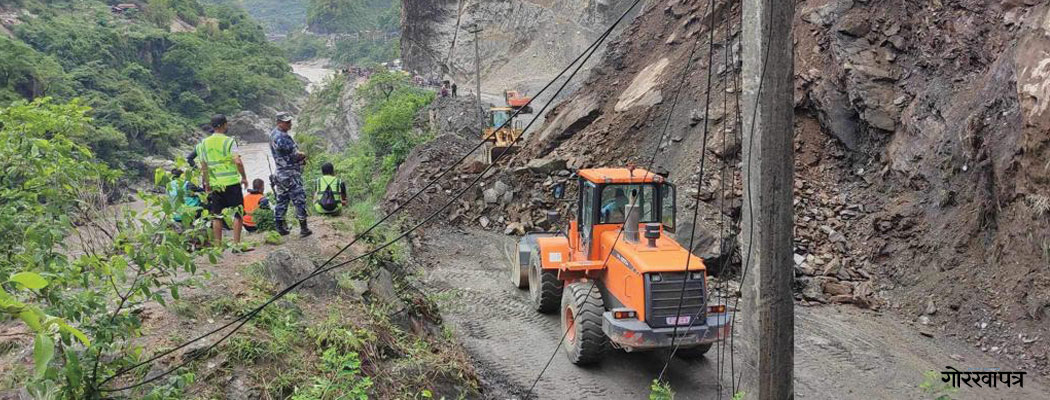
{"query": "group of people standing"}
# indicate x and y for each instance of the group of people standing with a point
(223, 177)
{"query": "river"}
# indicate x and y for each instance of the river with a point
(256, 156)
(315, 72)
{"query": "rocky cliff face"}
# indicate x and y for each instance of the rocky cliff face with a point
(922, 146)
(524, 42)
(922, 142)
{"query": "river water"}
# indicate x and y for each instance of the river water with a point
(314, 71)
(256, 156)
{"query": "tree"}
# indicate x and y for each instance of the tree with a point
(76, 299)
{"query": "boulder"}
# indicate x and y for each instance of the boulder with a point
(855, 25)
(239, 387)
(381, 287)
(249, 127)
(491, 196)
(514, 228)
(500, 187)
(546, 165)
(355, 288)
(284, 267)
(706, 243)
(833, 288)
(812, 291)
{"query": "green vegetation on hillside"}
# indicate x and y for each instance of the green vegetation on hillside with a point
(347, 16)
(277, 16)
(148, 87)
(387, 136)
(79, 299)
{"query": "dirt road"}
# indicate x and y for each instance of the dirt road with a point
(841, 352)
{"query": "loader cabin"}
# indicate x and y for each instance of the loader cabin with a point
(617, 274)
(646, 263)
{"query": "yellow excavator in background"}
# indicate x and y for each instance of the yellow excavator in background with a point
(501, 139)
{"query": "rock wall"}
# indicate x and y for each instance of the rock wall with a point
(524, 42)
(922, 142)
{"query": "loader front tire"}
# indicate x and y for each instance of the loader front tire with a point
(544, 286)
(581, 320)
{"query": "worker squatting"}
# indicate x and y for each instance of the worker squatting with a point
(223, 181)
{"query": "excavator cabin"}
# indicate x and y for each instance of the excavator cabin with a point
(617, 275)
(502, 131)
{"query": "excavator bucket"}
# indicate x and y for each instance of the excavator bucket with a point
(496, 151)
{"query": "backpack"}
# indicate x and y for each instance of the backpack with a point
(328, 201)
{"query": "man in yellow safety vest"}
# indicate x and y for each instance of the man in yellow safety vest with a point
(330, 193)
(223, 175)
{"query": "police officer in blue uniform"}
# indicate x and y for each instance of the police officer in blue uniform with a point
(289, 175)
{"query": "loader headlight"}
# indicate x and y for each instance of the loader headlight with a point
(696, 275)
(655, 278)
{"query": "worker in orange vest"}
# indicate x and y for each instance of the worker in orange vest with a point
(255, 199)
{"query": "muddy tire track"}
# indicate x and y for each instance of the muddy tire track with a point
(511, 342)
(841, 352)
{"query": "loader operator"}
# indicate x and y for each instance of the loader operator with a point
(613, 210)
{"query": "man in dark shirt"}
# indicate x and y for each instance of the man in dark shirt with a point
(289, 175)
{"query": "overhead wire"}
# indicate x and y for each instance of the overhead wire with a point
(730, 71)
(652, 159)
(729, 68)
(323, 267)
(699, 188)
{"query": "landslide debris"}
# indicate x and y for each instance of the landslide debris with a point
(921, 139)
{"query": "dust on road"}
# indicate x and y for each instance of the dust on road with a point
(841, 352)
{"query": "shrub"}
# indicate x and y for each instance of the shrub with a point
(79, 308)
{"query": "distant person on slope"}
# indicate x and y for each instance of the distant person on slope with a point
(289, 173)
(454, 87)
(330, 196)
(220, 168)
(254, 200)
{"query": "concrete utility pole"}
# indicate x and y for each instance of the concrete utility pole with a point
(768, 323)
(475, 29)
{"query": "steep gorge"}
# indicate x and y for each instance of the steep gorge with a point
(524, 42)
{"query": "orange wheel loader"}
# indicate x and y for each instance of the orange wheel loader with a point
(615, 276)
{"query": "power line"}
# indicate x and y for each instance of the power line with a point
(720, 347)
(652, 160)
(699, 188)
(321, 269)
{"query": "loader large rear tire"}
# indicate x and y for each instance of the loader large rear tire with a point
(544, 286)
(581, 320)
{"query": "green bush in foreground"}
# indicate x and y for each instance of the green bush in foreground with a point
(76, 296)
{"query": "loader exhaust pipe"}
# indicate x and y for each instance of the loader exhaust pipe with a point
(630, 226)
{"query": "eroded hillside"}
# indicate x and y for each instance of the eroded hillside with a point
(524, 42)
(921, 146)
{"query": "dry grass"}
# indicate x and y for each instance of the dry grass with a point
(1038, 204)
